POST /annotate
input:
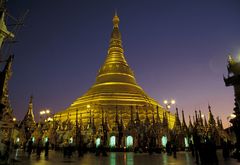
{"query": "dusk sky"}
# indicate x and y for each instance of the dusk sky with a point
(177, 49)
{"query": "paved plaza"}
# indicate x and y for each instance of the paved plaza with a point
(116, 158)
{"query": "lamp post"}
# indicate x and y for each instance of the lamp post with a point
(230, 117)
(45, 113)
(168, 105)
(45, 119)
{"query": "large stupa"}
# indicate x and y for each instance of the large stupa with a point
(115, 94)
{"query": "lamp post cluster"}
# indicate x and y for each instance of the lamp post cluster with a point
(168, 103)
(46, 113)
(43, 112)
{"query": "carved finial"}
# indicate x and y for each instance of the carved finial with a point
(209, 107)
(115, 20)
(31, 98)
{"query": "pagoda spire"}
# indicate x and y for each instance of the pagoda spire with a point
(219, 123)
(205, 121)
(194, 122)
(28, 123)
(165, 120)
(116, 116)
(30, 115)
(131, 122)
(177, 124)
(183, 120)
(115, 64)
(211, 120)
(115, 50)
(103, 117)
(153, 119)
(200, 118)
(115, 20)
(132, 114)
(147, 122)
(196, 118)
(137, 120)
(190, 125)
(158, 117)
(121, 119)
(93, 124)
(81, 121)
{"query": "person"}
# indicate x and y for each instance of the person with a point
(225, 150)
(213, 149)
(80, 148)
(197, 145)
(174, 149)
(168, 148)
(29, 147)
(65, 145)
(39, 148)
(191, 147)
(101, 148)
(46, 148)
(150, 147)
(2, 150)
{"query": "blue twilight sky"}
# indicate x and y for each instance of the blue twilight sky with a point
(176, 48)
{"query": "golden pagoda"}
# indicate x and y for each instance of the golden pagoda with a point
(115, 94)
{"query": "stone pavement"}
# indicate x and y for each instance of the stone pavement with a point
(116, 158)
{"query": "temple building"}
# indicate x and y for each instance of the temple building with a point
(233, 79)
(28, 123)
(6, 115)
(115, 98)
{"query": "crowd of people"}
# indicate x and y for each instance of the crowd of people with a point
(39, 148)
(204, 151)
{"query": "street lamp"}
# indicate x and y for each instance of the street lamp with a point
(47, 111)
(168, 104)
(230, 117)
(44, 112)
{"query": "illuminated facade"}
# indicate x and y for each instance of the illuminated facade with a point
(115, 99)
(6, 115)
(233, 79)
(28, 124)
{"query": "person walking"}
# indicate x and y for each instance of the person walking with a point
(39, 148)
(169, 148)
(174, 149)
(46, 148)
(29, 147)
(191, 148)
(80, 148)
